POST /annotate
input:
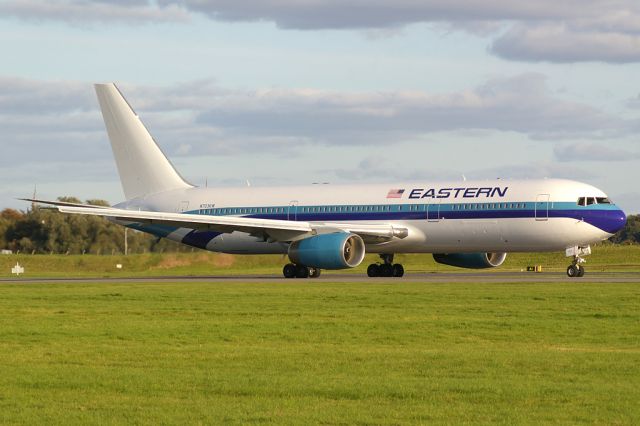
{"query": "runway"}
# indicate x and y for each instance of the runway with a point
(471, 277)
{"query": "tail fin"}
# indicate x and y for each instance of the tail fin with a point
(142, 166)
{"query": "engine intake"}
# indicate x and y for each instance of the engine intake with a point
(338, 250)
(471, 260)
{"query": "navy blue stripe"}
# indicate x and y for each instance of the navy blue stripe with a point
(608, 220)
(199, 239)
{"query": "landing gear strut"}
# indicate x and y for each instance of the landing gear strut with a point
(576, 269)
(300, 271)
(385, 269)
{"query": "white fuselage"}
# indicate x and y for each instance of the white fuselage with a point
(441, 217)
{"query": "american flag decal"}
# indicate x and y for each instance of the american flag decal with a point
(395, 193)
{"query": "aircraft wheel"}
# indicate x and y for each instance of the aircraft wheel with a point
(386, 270)
(289, 270)
(573, 271)
(302, 271)
(398, 270)
(580, 271)
(373, 270)
(314, 272)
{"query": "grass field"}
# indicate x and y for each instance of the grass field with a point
(295, 353)
(610, 258)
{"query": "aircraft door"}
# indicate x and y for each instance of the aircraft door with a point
(292, 211)
(542, 207)
(433, 212)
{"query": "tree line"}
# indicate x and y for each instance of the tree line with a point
(45, 230)
(630, 234)
(41, 230)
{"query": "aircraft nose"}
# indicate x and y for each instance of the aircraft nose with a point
(618, 221)
(610, 221)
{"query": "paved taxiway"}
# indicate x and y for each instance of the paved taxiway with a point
(484, 277)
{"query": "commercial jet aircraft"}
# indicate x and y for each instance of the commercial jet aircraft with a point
(470, 224)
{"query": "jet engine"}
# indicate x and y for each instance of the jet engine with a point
(338, 250)
(471, 260)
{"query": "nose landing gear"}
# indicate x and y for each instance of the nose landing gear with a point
(576, 269)
(386, 269)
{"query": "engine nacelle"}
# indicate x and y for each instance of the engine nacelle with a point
(471, 260)
(338, 250)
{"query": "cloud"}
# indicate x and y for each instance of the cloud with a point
(375, 169)
(52, 131)
(634, 102)
(48, 121)
(556, 42)
(592, 152)
(84, 12)
(522, 104)
(29, 97)
(628, 201)
(311, 14)
(360, 14)
(535, 170)
(60, 120)
(543, 30)
(378, 169)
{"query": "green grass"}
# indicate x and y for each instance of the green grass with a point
(315, 352)
(609, 258)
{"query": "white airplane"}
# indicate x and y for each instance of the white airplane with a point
(470, 224)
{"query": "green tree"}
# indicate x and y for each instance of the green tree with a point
(630, 234)
(7, 218)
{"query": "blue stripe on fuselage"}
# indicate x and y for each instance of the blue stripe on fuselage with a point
(607, 217)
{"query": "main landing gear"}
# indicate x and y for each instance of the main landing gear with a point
(576, 269)
(300, 271)
(386, 269)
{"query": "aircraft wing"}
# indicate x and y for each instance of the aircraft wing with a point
(62, 203)
(270, 229)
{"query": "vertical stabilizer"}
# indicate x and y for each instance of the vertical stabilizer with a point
(142, 166)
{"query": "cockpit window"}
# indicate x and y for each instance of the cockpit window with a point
(587, 201)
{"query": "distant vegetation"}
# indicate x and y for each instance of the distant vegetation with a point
(44, 230)
(630, 234)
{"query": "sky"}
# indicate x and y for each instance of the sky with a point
(279, 92)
